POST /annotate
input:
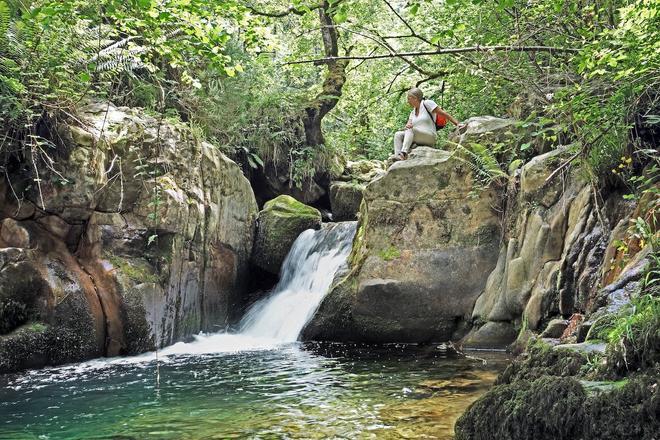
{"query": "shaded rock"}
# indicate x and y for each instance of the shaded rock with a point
(279, 224)
(492, 335)
(345, 200)
(483, 128)
(584, 347)
(362, 171)
(13, 234)
(49, 310)
(571, 329)
(55, 226)
(147, 243)
(555, 328)
(533, 185)
(420, 257)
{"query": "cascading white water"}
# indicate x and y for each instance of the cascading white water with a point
(306, 276)
(307, 273)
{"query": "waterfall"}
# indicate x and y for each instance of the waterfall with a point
(306, 276)
(307, 273)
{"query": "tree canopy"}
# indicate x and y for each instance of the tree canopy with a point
(317, 79)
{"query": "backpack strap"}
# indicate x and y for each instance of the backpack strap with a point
(427, 111)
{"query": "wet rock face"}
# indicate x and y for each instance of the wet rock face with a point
(279, 224)
(420, 258)
(146, 242)
(48, 312)
(555, 252)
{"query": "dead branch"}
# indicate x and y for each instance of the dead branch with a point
(280, 14)
(448, 51)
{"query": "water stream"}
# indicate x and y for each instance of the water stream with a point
(256, 383)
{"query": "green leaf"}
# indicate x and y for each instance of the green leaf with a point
(151, 239)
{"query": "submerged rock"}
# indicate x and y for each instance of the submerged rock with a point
(423, 250)
(279, 224)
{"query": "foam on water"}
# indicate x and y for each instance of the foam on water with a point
(274, 321)
(307, 274)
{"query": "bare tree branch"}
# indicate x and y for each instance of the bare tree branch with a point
(448, 51)
(383, 42)
(280, 14)
(412, 31)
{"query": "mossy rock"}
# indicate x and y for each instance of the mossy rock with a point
(279, 224)
(556, 408)
(542, 360)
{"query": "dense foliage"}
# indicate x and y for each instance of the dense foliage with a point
(260, 79)
(578, 73)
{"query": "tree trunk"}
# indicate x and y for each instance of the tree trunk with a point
(335, 78)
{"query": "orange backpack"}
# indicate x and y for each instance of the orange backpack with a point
(439, 120)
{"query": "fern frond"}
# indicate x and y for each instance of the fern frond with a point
(5, 21)
(481, 161)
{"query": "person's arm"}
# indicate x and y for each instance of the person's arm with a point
(449, 117)
(409, 123)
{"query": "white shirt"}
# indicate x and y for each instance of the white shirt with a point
(424, 121)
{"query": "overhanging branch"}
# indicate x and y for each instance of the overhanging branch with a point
(448, 51)
(280, 14)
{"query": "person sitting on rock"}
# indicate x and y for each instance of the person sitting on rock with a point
(420, 128)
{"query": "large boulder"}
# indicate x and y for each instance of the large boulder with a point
(484, 129)
(279, 224)
(345, 200)
(142, 237)
(346, 192)
(424, 248)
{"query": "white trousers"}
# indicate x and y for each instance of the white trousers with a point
(404, 139)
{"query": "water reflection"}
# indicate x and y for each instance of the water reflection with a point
(294, 391)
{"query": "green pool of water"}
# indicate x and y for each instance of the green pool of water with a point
(296, 391)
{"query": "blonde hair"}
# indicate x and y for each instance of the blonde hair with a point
(416, 93)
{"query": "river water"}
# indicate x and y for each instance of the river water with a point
(258, 382)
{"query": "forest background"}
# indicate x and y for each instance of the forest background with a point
(313, 83)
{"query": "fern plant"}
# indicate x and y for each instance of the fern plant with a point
(482, 162)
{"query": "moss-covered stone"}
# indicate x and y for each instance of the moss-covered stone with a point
(137, 270)
(390, 253)
(542, 360)
(279, 224)
(557, 408)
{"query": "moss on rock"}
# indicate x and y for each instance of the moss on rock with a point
(288, 207)
(279, 224)
(556, 408)
(137, 270)
(542, 360)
